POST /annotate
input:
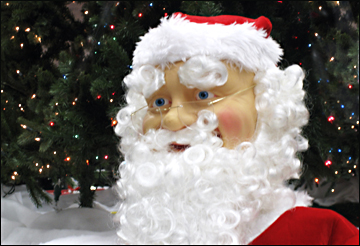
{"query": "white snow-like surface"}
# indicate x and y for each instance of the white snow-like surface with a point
(23, 223)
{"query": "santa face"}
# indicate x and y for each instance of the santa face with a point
(236, 114)
(209, 192)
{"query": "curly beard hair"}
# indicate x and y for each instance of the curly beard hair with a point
(209, 194)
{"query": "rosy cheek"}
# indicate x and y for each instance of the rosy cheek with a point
(230, 124)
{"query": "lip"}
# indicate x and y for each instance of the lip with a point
(178, 147)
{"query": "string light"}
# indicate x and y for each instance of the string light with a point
(355, 66)
(67, 159)
(7, 4)
(56, 104)
(17, 28)
(23, 126)
(316, 34)
(39, 39)
(6, 101)
(13, 177)
(331, 118)
(73, 103)
(350, 86)
(339, 128)
(106, 157)
(336, 172)
(320, 8)
(98, 97)
(27, 29)
(21, 45)
(36, 164)
(18, 71)
(40, 170)
(111, 100)
(54, 152)
(97, 157)
(354, 166)
(86, 12)
(112, 27)
(332, 58)
(12, 37)
(317, 180)
(352, 127)
(328, 163)
(349, 171)
(15, 173)
(113, 123)
(37, 139)
(87, 162)
(51, 123)
(33, 96)
(47, 166)
(56, 113)
(332, 190)
(140, 15)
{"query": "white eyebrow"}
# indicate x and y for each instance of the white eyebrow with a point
(203, 72)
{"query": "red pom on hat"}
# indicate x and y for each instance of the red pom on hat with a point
(260, 23)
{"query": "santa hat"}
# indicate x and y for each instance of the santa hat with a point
(243, 41)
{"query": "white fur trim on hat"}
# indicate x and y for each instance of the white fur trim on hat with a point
(178, 39)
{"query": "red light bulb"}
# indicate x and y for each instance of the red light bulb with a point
(328, 163)
(331, 118)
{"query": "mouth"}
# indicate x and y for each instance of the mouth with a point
(179, 147)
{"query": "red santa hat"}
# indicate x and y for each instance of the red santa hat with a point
(243, 41)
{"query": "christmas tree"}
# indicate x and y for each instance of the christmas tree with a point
(67, 75)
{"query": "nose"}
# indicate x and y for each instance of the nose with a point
(171, 120)
(178, 118)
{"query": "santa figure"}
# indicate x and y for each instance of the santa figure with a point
(210, 135)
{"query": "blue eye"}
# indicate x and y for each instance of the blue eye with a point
(159, 102)
(202, 95)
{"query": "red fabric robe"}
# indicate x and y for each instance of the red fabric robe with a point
(309, 226)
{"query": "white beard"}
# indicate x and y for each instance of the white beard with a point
(206, 194)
